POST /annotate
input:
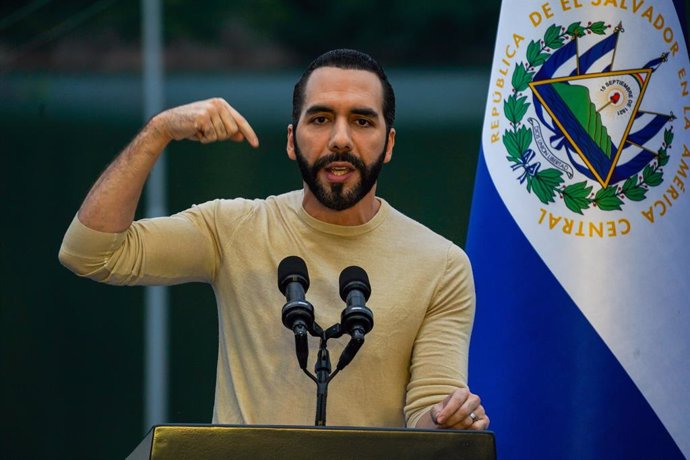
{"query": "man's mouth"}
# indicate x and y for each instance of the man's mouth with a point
(339, 172)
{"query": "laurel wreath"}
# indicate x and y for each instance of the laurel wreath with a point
(547, 183)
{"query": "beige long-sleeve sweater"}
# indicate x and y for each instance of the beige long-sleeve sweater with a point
(422, 299)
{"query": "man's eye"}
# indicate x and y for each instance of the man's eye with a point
(363, 122)
(319, 120)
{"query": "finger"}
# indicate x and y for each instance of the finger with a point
(202, 128)
(474, 417)
(433, 413)
(462, 417)
(437, 409)
(452, 404)
(229, 123)
(208, 121)
(244, 127)
(479, 413)
(482, 423)
(219, 127)
(198, 134)
(208, 133)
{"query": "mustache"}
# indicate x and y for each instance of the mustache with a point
(342, 156)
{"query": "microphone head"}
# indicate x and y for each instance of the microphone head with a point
(354, 277)
(291, 269)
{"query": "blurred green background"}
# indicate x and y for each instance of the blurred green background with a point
(71, 350)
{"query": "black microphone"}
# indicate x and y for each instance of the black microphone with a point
(356, 319)
(297, 313)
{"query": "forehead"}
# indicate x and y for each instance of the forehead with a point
(335, 86)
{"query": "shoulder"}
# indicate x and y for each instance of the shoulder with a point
(239, 208)
(413, 232)
(414, 240)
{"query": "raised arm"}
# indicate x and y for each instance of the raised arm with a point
(112, 201)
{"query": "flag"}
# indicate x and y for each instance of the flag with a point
(579, 232)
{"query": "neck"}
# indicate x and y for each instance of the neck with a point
(359, 214)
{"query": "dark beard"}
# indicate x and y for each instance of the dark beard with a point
(334, 197)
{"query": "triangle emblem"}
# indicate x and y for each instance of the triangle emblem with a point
(595, 113)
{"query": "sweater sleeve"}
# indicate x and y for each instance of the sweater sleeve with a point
(440, 354)
(164, 251)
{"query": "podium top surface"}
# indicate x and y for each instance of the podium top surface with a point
(167, 442)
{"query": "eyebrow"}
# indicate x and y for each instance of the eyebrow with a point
(364, 111)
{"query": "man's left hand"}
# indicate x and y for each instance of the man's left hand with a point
(460, 410)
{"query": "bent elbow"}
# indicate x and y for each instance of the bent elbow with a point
(69, 261)
(83, 266)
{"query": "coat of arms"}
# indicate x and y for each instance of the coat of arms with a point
(589, 141)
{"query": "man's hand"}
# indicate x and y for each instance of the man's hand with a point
(460, 410)
(205, 121)
(112, 201)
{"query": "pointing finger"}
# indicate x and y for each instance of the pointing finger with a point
(245, 128)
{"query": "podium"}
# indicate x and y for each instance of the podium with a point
(215, 442)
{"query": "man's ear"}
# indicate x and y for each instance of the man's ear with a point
(290, 147)
(389, 147)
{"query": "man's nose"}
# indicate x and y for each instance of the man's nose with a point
(340, 140)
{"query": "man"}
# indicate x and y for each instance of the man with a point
(411, 371)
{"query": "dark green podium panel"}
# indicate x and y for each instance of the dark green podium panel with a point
(215, 442)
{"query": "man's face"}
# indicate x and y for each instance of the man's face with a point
(341, 142)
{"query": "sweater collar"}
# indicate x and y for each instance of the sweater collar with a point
(339, 230)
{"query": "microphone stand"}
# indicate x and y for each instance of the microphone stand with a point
(298, 315)
(323, 372)
(323, 366)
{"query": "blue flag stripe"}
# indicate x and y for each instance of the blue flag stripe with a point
(552, 388)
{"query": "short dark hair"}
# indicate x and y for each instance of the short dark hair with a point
(345, 59)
